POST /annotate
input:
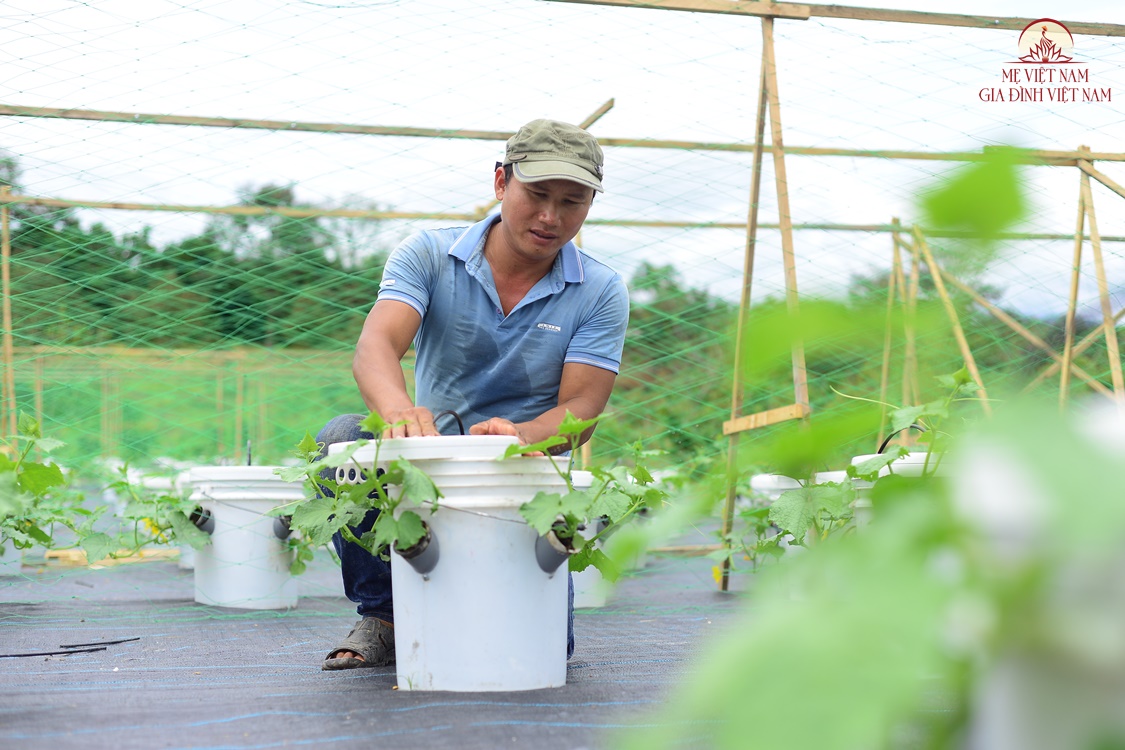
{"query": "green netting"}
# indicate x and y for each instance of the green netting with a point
(191, 334)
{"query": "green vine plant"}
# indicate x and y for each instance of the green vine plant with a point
(151, 518)
(36, 499)
(580, 518)
(814, 511)
(338, 506)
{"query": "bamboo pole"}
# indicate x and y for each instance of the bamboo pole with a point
(781, 180)
(737, 391)
(1072, 302)
(348, 213)
(1103, 293)
(220, 431)
(1022, 331)
(1029, 156)
(954, 320)
(8, 421)
(1086, 342)
(1086, 166)
(805, 11)
(885, 370)
(911, 393)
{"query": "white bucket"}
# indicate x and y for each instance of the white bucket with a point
(590, 589)
(246, 565)
(486, 618)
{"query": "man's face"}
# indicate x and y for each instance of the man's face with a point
(538, 218)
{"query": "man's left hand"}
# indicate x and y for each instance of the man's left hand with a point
(501, 426)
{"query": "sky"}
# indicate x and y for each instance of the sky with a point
(494, 64)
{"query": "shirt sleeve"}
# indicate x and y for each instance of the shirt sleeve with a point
(411, 272)
(600, 338)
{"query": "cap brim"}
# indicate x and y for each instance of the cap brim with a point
(538, 171)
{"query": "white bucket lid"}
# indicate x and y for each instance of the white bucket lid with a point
(233, 474)
(773, 483)
(910, 465)
(478, 447)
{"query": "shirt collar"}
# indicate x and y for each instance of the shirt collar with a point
(471, 242)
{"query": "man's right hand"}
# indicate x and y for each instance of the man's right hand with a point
(416, 421)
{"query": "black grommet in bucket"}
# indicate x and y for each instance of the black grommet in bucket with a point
(550, 553)
(423, 556)
(281, 526)
(203, 519)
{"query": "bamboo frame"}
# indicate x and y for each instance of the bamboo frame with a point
(911, 393)
(743, 314)
(804, 12)
(1112, 348)
(1072, 300)
(954, 319)
(1029, 156)
(885, 369)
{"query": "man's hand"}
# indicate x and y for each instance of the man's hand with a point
(416, 421)
(501, 426)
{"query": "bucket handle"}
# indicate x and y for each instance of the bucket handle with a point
(455, 415)
(887, 442)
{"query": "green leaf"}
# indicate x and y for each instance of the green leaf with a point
(410, 530)
(543, 446)
(869, 469)
(98, 546)
(417, 487)
(901, 419)
(28, 426)
(795, 511)
(38, 478)
(541, 511)
(611, 503)
(590, 555)
(186, 532)
(315, 519)
(374, 424)
(308, 449)
(14, 502)
(38, 534)
(983, 198)
(48, 444)
(572, 426)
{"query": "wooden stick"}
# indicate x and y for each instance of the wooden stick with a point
(239, 406)
(1088, 168)
(885, 371)
(1072, 303)
(800, 375)
(737, 392)
(8, 421)
(765, 418)
(951, 311)
(910, 390)
(1103, 293)
(1029, 156)
(802, 11)
(1022, 331)
(1079, 348)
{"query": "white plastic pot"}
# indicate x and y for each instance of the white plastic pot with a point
(485, 617)
(590, 589)
(246, 566)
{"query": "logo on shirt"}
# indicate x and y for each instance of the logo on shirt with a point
(549, 327)
(388, 282)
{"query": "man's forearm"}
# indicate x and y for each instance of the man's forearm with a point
(378, 373)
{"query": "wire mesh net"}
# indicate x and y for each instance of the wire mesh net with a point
(194, 298)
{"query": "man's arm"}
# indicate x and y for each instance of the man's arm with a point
(583, 391)
(377, 368)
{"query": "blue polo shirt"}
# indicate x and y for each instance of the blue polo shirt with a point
(473, 359)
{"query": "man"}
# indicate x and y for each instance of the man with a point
(513, 326)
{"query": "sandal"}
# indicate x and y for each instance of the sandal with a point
(372, 639)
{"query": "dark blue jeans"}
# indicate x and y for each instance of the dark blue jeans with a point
(367, 579)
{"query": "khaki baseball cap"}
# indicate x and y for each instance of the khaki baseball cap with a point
(553, 150)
